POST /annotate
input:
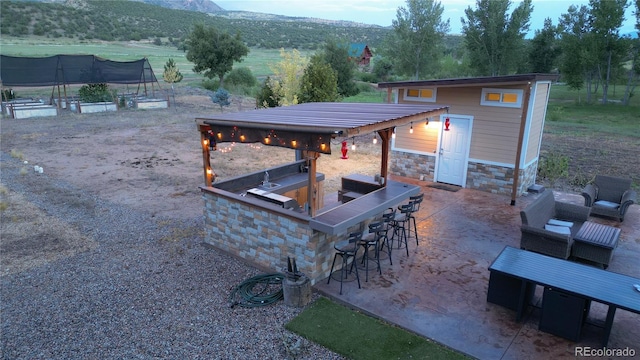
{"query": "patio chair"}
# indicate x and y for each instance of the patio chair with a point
(609, 196)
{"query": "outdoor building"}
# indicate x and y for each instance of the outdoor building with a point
(360, 54)
(490, 139)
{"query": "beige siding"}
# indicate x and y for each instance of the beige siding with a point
(495, 129)
(424, 138)
(537, 122)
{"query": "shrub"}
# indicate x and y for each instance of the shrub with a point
(221, 97)
(92, 93)
(241, 77)
(553, 166)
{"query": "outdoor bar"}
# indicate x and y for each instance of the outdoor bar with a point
(267, 216)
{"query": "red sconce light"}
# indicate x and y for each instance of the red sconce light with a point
(344, 150)
(446, 124)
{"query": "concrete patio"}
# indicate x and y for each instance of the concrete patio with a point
(439, 291)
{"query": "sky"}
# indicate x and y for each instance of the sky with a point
(382, 12)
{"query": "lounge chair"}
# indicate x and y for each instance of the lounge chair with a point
(609, 196)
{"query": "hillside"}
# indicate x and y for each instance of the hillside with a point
(122, 20)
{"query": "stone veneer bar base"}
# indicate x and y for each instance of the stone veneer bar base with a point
(268, 236)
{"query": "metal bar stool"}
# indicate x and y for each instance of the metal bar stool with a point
(346, 249)
(387, 220)
(400, 225)
(372, 242)
(416, 200)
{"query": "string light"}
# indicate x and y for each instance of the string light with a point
(353, 143)
(375, 139)
(393, 135)
(426, 122)
(294, 143)
(411, 129)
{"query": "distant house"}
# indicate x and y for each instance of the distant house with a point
(360, 53)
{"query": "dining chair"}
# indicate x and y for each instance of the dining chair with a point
(387, 220)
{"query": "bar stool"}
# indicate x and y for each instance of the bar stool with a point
(372, 241)
(400, 225)
(387, 220)
(417, 200)
(346, 249)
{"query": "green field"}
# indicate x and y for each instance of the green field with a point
(258, 60)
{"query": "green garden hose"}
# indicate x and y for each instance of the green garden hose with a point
(247, 295)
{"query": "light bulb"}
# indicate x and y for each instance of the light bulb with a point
(411, 129)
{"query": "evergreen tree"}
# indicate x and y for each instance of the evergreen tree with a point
(319, 82)
(337, 56)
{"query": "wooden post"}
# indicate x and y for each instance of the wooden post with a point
(206, 159)
(389, 92)
(385, 135)
(312, 189)
(523, 122)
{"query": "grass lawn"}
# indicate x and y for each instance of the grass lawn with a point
(358, 336)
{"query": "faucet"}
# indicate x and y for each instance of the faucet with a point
(266, 179)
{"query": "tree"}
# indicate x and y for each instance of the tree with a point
(171, 75)
(337, 56)
(415, 45)
(382, 68)
(591, 43)
(266, 98)
(544, 49)
(286, 81)
(607, 17)
(213, 52)
(319, 82)
(494, 40)
(634, 53)
(221, 97)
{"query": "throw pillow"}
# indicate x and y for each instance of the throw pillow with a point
(560, 223)
(558, 229)
(607, 204)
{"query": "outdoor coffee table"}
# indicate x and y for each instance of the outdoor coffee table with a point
(595, 242)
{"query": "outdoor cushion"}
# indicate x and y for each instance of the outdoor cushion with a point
(607, 204)
(558, 229)
(559, 223)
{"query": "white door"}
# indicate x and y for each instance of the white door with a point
(453, 156)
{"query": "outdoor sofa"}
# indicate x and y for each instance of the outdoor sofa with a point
(609, 196)
(549, 226)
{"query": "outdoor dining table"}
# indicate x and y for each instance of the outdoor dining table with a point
(527, 268)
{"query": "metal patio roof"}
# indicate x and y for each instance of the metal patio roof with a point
(341, 119)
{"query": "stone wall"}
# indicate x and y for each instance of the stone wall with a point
(268, 236)
(412, 165)
(485, 177)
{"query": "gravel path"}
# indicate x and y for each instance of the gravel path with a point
(149, 289)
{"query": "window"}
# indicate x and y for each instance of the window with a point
(501, 97)
(427, 95)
